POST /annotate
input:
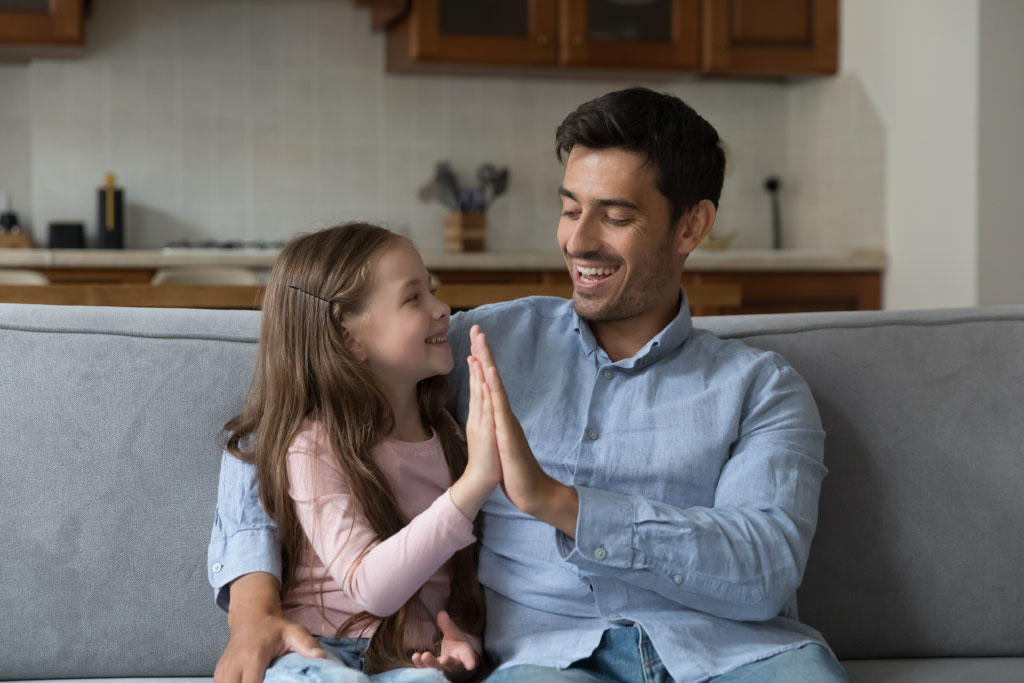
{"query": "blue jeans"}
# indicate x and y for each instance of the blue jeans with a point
(344, 664)
(625, 655)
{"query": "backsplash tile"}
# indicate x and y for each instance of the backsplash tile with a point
(255, 119)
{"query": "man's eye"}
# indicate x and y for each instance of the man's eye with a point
(618, 221)
(569, 213)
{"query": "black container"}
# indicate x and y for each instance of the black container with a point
(67, 236)
(110, 215)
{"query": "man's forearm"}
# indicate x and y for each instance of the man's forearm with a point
(256, 594)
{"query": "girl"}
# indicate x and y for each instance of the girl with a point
(364, 473)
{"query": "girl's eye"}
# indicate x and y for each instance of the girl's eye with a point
(414, 297)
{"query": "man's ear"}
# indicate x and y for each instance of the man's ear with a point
(352, 343)
(694, 226)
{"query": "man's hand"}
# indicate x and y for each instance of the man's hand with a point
(458, 660)
(258, 631)
(524, 481)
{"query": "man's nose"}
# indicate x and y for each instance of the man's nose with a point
(585, 237)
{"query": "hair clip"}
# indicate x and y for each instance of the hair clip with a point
(326, 301)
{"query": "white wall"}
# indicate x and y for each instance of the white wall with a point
(1001, 154)
(256, 119)
(15, 150)
(918, 63)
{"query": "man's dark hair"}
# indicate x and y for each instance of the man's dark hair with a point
(686, 151)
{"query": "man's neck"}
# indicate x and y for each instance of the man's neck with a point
(624, 338)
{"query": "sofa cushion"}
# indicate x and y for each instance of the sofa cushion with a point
(918, 551)
(108, 482)
(109, 463)
(943, 670)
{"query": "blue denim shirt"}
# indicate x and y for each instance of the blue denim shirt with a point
(698, 464)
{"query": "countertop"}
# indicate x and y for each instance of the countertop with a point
(702, 260)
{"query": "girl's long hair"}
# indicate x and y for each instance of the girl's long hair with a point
(304, 370)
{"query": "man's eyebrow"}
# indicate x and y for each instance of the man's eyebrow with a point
(624, 203)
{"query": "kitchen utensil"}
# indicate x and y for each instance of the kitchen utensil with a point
(772, 184)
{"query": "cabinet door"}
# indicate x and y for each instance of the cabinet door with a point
(771, 37)
(637, 34)
(516, 32)
(41, 22)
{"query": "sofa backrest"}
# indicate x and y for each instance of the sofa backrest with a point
(109, 464)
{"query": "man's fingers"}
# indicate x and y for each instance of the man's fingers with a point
(498, 396)
(297, 639)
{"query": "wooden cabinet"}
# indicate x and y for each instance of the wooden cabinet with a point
(509, 32)
(659, 34)
(759, 37)
(40, 27)
(771, 36)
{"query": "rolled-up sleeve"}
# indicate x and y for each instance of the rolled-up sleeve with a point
(244, 539)
(744, 557)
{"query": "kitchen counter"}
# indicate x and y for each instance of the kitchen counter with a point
(726, 260)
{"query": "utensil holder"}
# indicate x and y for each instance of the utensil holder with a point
(15, 240)
(464, 231)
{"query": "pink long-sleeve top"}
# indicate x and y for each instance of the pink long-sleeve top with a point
(332, 583)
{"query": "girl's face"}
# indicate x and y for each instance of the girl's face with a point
(403, 332)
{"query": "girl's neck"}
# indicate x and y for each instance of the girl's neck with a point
(408, 421)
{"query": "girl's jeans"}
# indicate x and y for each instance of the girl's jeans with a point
(344, 664)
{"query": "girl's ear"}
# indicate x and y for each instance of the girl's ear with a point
(351, 341)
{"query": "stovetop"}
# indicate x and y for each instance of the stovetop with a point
(224, 244)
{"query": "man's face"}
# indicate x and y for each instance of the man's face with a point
(615, 236)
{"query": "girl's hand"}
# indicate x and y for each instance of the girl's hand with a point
(458, 660)
(483, 468)
(525, 482)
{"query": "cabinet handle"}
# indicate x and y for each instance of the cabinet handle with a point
(577, 40)
(543, 39)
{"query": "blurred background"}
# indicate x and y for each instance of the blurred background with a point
(890, 126)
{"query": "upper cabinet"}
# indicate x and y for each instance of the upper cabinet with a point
(759, 37)
(506, 32)
(650, 34)
(41, 27)
(771, 36)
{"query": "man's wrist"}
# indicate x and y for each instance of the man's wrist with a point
(560, 507)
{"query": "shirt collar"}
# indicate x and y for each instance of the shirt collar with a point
(666, 341)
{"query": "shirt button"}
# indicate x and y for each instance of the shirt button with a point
(592, 434)
(677, 579)
(600, 553)
(614, 616)
(217, 566)
(608, 374)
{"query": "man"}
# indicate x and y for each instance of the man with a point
(660, 525)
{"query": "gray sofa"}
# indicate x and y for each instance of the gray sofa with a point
(109, 462)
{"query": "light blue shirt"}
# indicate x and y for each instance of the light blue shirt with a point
(698, 464)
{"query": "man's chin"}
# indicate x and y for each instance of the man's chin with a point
(593, 311)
